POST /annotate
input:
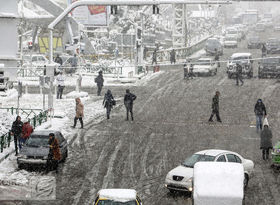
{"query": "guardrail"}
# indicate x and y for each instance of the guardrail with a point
(6, 138)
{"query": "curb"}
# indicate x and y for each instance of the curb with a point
(6, 156)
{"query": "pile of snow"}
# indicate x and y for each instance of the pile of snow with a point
(218, 183)
(6, 120)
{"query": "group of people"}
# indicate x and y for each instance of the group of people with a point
(21, 133)
(109, 102)
(261, 123)
(154, 56)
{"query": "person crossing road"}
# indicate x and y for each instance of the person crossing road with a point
(215, 108)
(239, 74)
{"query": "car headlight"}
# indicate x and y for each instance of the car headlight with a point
(230, 67)
(45, 157)
(169, 176)
(190, 180)
(246, 67)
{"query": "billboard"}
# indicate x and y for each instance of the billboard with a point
(90, 15)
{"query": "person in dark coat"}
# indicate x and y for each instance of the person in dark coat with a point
(16, 132)
(215, 108)
(260, 112)
(154, 58)
(217, 58)
(172, 56)
(191, 74)
(266, 140)
(263, 50)
(58, 59)
(54, 154)
(108, 102)
(239, 74)
(186, 72)
(128, 102)
(99, 81)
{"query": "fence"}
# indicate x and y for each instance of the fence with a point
(34, 121)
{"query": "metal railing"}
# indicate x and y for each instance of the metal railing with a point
(35, 121)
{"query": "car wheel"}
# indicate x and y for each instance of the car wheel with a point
(246, 181)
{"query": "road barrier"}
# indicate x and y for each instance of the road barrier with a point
(38, 119)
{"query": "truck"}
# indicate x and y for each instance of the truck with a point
(218, 183)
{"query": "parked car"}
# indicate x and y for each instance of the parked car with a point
(181, 177)
(276, 27)
(273, 46)
(260, 27)
(232, 31)
(245, 60)
(254, 42)
(4, 81)
(269, 67)
(230, 41)
(36, 149)
(213, 46)
(117, 197)
(205, 67)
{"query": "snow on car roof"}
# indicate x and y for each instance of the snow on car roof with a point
(212, 152)
(121, 195)
(237, 55)
(204, 59)
(43, 132)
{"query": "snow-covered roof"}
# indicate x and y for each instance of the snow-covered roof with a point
(218, 183)
(212, 152)
(237, 55)
(121, 195)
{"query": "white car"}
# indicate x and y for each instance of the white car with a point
(204, 67)
(180, 178)
(36, 61)
(230, 41)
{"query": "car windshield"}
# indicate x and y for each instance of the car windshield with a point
(240, 58)
(230, 39)
(37, 141)
(271, 60)
(232, 31)
(203, 62)
(273, 41)
(189, 162)
(254, 39)
(212, 42)
(110, 202)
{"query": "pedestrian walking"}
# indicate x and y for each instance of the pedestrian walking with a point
(264, 50)
(108, 102)
(16, 132)
(238, 73)
(172, 56)
(266, 140)
(27, 129)
(60, 85)
(154, 57)
(54, 154)
(128, 102)
(186, 72)
(74, 63)
(215, 107)
(191, 74)
(217, 58)
(58, 59)
(99, 81)
(260, 112)
(79, 113)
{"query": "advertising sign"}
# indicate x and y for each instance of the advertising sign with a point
(91, 15)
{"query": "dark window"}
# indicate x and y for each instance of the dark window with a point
(231, 158)
(221, 158)
(60, 138)
(238, 160)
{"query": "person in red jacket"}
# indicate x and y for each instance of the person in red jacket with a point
(27, 129)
